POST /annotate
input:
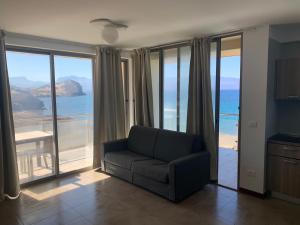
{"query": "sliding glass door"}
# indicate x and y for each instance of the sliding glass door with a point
(52, 101)
(170, 77)
(74, 104)
(30, 85)
(170, 89)
(184, 75)
(225, 73)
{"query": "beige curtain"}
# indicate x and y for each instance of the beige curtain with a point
(142, 85)
(9, 177)
(109, 109)
(200, 119)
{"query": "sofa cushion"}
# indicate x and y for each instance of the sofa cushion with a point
(142, 140)
(171, 145)
(153, 169)
(123, 159)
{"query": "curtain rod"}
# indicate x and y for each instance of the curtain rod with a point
(187, 42)
(171, 44)
(230, 33)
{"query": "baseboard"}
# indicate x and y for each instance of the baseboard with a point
(253, 193)
(285, 197)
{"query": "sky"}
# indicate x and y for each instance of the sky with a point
(230, 67)
(36, 67)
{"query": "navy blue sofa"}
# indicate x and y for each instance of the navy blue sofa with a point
(171, 164)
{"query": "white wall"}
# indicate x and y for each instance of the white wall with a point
(253, 109)
(47, 43)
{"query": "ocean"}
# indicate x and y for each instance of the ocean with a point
(74, 106)
(229, 112)
(81, 107)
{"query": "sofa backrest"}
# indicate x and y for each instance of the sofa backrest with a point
(142, 140)
(171, 145)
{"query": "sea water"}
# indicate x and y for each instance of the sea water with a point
(80, 106)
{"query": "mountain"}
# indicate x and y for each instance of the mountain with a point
(64, 88)
(23, 82)
(23, 100)
(86, 84)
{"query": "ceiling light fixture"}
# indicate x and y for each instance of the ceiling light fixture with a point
(110, 33)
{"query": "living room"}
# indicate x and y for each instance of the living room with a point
(114, 114)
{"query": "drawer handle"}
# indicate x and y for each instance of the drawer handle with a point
(290, 162)
(293, 96)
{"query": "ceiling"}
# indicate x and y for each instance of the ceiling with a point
(150, 22)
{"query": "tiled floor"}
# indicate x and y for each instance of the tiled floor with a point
(94, 198)
(228, 167)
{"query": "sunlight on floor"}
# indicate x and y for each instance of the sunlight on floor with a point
(82, 179)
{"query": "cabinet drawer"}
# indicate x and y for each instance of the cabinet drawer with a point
(288, 151)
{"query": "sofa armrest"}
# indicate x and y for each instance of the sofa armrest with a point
(112, 146)
(188, 174)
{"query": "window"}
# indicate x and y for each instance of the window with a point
(225, 62)
(154, 60)
(170, 84)
(125, 79)
(185, 58)
(170, 81)
(30, 87)
(74, 104)
(52, 101)
(213, 74)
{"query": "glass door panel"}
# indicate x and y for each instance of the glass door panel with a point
(170, 89)
(154, 63)
(228, 115)
(185, 58)
(125, 79)
(213, 74)
(74, 101)
(30, 86)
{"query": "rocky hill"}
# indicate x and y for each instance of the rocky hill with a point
(64, 88)
(24, 101)
(85, 83)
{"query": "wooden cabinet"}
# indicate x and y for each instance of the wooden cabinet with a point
(284, 176)
(287, 79)
(284, 169)
(284, 150)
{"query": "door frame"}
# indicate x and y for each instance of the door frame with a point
(217, 40)
(51, 54)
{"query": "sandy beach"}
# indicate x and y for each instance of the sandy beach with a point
(228, 141)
